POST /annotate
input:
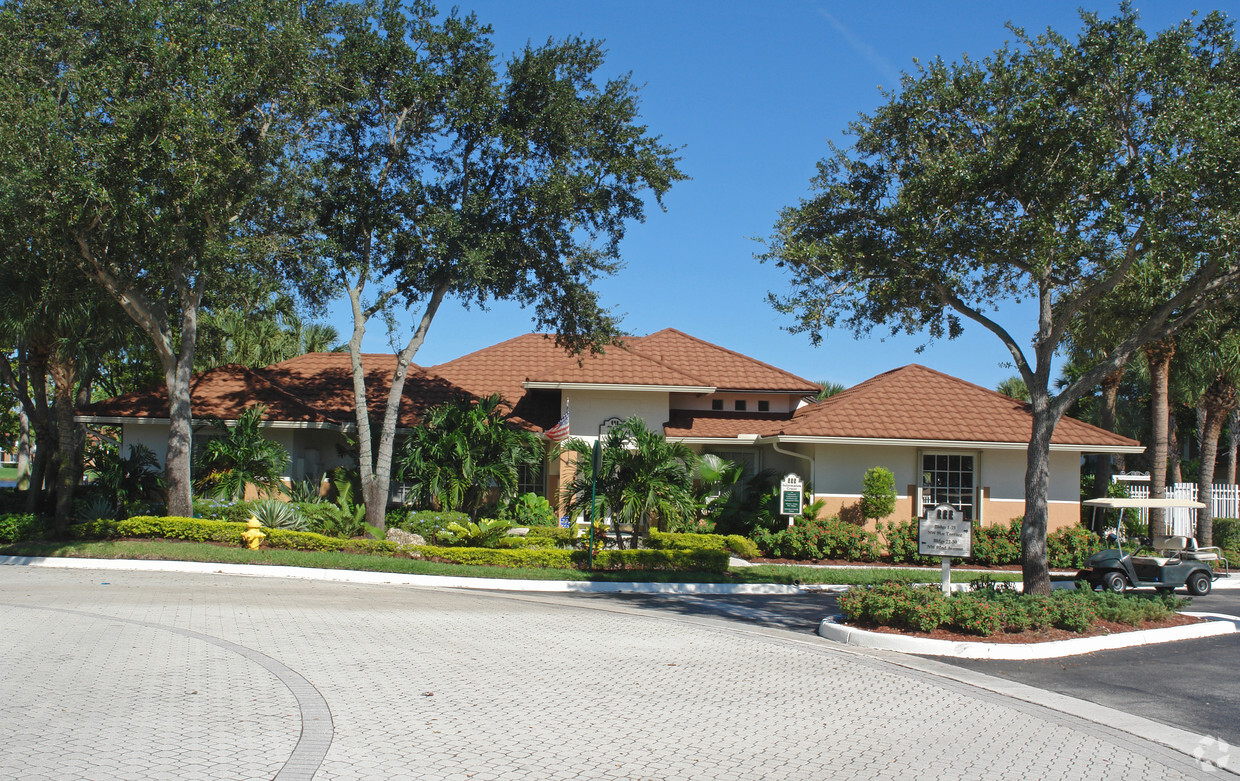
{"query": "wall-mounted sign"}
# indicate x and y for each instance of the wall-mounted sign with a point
(606, 426)
(791, 496)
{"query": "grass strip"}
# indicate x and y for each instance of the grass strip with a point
(204, 552)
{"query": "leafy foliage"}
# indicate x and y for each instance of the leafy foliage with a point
(239, 457)
(816, 539)
(132, 482)
(643, 479)
(483, 533)
(878, 493)
(530, 510)
(466, 455)
(275, 514)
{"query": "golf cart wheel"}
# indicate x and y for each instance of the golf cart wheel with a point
(1114, 582)
(1199, 583)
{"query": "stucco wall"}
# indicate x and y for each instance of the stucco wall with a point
(590, 408)
(1000, 476)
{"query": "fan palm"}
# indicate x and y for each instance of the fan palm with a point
(643, 479)
(241, 457)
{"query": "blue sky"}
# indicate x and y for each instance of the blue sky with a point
(753, 92)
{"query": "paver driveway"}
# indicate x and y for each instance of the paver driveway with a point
(150, 675)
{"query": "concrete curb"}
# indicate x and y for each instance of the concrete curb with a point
(399, 579)
(1218, 624)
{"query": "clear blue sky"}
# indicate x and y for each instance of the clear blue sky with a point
(753, 92)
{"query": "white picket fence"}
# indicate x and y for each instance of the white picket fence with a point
(1225, 500)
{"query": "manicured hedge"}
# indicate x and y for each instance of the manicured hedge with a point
(198, 530)
(17, 527)
(643, 559)
(988, 611)
(828, 538)
(741, 546)
(997, 545)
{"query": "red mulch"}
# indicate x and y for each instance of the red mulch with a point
(847, 563)
(1041, 636)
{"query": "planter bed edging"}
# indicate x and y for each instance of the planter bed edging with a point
(1218, 624)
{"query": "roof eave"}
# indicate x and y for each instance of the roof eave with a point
(948, 443)
(610, 386)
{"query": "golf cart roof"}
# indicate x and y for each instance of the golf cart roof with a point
(1113, 504)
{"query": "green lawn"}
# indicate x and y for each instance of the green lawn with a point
(8, 473)
(194, 551)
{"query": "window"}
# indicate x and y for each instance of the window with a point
(530, 480)
(716, 404)
(740, 405)
(764, 406)
(947, 478)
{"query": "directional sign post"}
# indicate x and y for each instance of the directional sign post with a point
(791, 496)
(945, 532)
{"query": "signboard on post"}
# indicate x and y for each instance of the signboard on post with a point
(945, 532)
(791, 496)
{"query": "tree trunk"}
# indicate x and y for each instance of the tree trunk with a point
(1175, 472)
(1158, 355)
(1233, 439)
(1033, 553)
(68, 466)
(1110, 403)
(1218, 401)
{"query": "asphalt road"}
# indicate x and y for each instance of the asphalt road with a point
(1192, 684)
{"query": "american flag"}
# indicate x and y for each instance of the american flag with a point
(558, 432)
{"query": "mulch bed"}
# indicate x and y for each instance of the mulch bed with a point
(1031, 636)
(888, 564)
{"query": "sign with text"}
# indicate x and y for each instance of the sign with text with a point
(791, 494)
(945, 532)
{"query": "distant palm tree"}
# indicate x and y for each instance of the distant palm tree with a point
(240, 457)
(643, 479)
(1014, 387)
(827, 389)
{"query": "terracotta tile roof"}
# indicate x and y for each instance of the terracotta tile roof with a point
(914, 402)
(700, 423)
(617, 366)
(718, 366)
(313, 388)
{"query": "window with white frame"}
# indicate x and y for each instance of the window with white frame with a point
(948, 478)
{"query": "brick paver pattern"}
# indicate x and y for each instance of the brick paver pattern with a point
(423, 683)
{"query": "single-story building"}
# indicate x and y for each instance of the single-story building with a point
(944, 439)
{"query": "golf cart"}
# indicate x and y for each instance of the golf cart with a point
(1177, 561)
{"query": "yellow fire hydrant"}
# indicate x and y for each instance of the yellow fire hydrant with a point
(252, 535)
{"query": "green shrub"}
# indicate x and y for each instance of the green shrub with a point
(483, 533)
(878, 493)
(19, 527)
(1073, 610)
(829, 538)
(275, 514)
(997, 544)
(642, 559)
(530, 509)
(742, 546)
(1070, 547)
(563, 537)
(685, 541)
(528, 541)
(211, 509)
(1226, 533)
(975, 616)
(430, 524)
(191, 529)
(900, 541)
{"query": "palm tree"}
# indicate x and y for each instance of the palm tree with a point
(1014, 388)
(827, 389)
(467, 455)
(643, 479)
(241, 457)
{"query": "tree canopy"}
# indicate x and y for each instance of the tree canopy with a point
(1057, 170)
(441, 172)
